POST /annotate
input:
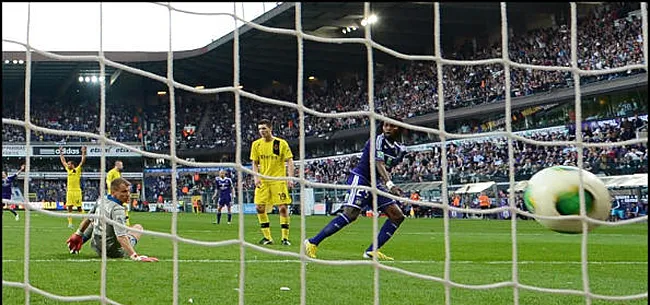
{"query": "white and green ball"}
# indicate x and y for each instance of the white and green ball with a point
(554, 191)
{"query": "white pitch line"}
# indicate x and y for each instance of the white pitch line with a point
(518, 234)
(85, 260)
(12, 227)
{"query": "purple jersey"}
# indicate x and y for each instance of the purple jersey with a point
(224, 187)
(390, 153)
(6, 186)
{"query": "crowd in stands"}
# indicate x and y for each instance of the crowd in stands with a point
(188, 185)
(477, 160)
(608, 38)
(469, 160)
(121, 122)
(189, 114)
(55, 190)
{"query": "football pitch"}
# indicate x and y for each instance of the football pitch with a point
(481, 254)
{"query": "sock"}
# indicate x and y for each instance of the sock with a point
(334, 226)
(69, 220)
(385, 234)
(218, 217)
(265, 225)
(229, 217)
(13, 212)
(126, 213)
(284, 225)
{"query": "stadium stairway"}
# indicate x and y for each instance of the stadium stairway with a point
(207, 114)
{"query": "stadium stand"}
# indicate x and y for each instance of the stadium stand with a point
(403, 90)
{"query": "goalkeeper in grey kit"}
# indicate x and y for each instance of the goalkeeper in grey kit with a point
(120, 242)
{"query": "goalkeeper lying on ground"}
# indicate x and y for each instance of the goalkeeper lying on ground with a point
(119, 241)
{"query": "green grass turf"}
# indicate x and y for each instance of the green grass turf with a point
(481, 253)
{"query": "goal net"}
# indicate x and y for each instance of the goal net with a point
(372, 47)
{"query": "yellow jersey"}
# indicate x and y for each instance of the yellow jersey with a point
(112, 175)
(271, 157)
(74, 179)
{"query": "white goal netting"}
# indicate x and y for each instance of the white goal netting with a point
(239, 92)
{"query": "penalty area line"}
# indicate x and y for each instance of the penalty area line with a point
(85, 260)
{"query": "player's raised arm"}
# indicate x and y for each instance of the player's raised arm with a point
(65, 165)
(22, 168)
(83, 156)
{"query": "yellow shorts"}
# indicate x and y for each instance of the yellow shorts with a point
(271, 194)
(73, 198)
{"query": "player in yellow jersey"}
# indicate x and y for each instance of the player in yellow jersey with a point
(269, 155)
(114, 173)
(73, 195)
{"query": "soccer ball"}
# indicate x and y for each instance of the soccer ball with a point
(554, 191)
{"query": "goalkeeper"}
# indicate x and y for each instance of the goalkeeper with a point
(120, 242)
(114, 173)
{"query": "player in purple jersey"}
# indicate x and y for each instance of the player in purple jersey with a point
(388, 153)
(226, 193)
(7, 182)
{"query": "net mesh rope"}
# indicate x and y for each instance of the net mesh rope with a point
(299, 106)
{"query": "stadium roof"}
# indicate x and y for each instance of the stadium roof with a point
(264, 57)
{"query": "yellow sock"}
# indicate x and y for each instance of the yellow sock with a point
(69, 220)
(264, 225)
(126, 213)
(284, 225)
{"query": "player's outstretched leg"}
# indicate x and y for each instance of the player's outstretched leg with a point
(395, 218)
(349, 215)
(13, 212)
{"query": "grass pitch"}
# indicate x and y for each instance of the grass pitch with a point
(481, 254)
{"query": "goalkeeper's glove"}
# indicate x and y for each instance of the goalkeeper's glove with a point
(143, 258)
(75, 241)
